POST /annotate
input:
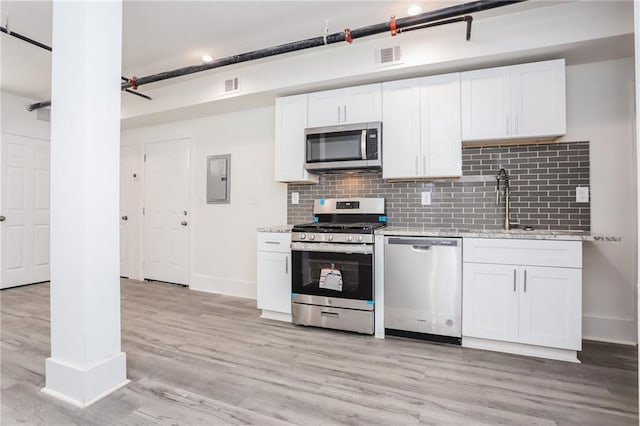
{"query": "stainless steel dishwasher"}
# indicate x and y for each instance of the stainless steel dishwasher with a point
(423, 287)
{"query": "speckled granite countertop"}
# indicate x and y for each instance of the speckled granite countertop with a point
(275, 228)
(540, 234)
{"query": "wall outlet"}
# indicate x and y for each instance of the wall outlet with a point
(582, 194)
(426, 198)
(295, 198)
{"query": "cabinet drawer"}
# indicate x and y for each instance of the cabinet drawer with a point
(274, 241)
(564, 254)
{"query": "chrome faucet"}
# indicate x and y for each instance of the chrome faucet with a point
(504, 177)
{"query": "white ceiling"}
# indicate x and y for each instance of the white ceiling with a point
(163, 35)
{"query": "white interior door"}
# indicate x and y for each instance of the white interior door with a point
(25, 209)
(125, 203)
(166, 220)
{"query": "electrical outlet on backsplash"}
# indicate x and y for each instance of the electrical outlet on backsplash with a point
(543, 179)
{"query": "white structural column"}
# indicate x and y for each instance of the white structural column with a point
(86, 360)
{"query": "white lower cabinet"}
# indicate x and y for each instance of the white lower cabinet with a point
(274, 275)
(522, 306)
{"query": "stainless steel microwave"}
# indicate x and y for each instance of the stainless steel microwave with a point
(344, 147)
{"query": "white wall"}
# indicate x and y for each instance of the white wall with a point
(600, 109)
(223, 237)
(16, 120)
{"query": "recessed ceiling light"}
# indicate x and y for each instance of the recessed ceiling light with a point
(207, 58)
(414, 10)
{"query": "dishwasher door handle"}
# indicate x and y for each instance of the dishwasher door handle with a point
(420, 248)
(424, 242)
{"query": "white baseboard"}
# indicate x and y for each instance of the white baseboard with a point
(521, 349)
(82, 386)
(237, 288)
(610, 330)
(273, 315)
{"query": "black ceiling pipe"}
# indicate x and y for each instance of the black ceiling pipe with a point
(48, 48)
(25, 38)
(347, 35)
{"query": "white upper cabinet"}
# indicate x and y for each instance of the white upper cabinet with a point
(538, 99)
(291, 120)
(359, 104)
(485, 104)
(516, 102)
(421, 128)
(401, 128)
(440, 126)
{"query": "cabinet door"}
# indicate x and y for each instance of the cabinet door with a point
(291, 120)
(362, 104)
(550, 307)
(326, 108)
(274, 282)
(401, 129)
(440, 126)
(490, 301)
(485, 104)
(538, 99)
(359, 104)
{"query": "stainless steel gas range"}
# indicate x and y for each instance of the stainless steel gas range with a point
(333, 265)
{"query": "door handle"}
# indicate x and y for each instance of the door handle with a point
(124, 218)
(329, 314)
(2, 218)
(525, 280)
(184, 223)
(514, 280)
(286, 265)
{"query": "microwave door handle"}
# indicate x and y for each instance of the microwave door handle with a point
(363, 144)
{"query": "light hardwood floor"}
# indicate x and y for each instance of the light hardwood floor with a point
(201, 359)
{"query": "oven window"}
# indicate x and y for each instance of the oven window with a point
(348, 276)
(343, 146)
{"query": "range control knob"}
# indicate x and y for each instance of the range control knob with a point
(349, 238)
(359, 237)
(312, 237)
(303, 236)
(330, 237)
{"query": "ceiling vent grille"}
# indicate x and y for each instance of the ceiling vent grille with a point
(389, 56)
(231, 85)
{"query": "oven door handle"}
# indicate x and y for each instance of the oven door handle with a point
(333, 248)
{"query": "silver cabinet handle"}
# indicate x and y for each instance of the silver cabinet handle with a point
(183, 223)
(329, 314)
(2, 218)
(416, 164)
(124, 218)
(516, 124)
(338, 113)
(525, 280)
(345, 113)
(507, 116)
(286, 264)
(424, 164)
(514, 280)
(272, 242)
